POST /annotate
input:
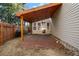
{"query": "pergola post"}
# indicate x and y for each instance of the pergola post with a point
(31, 27)
(22, 29)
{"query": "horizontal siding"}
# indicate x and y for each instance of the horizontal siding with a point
(67, 24)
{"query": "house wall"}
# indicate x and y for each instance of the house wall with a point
(42, 26)
(66, 24)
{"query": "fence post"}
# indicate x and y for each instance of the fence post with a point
(1, 40)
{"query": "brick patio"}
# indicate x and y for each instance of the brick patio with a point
(40, 41)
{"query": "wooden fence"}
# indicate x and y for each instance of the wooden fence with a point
(7, 32)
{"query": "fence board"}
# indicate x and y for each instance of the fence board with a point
(7, 32)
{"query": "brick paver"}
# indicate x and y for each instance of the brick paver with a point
(41, 41)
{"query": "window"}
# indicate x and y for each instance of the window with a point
(47, 25)
(43, 23)
(39, 25)
(34, 24)
(34, 28)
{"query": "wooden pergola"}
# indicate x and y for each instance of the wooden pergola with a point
(36, 14)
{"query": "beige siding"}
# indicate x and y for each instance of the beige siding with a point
(44, 26)
(67, 24)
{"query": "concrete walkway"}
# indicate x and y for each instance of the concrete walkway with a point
(14, 48)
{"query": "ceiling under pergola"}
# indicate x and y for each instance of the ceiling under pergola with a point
(39, 13)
